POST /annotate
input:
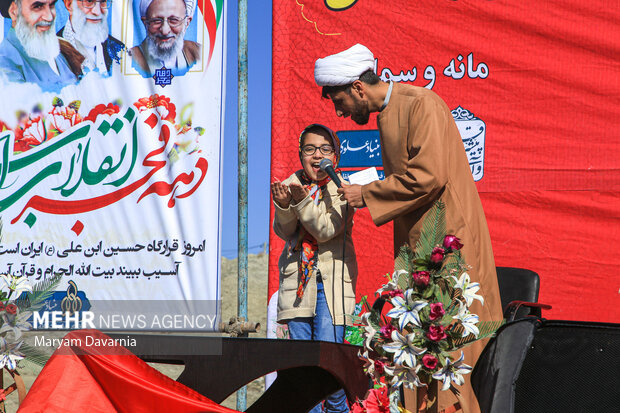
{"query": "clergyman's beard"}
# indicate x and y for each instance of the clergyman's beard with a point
(42, 46)
(360, 114)
(89, 34)
(164, 51)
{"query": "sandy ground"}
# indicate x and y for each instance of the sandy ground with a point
(257, 305)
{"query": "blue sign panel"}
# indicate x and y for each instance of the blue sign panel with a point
(359, 149)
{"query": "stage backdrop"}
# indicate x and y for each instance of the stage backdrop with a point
(535, 91)
(112, 178)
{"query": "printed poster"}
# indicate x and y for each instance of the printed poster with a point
(111, 138)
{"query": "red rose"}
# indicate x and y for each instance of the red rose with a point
(436, 333)
(395, 293)
(437, 311)
(1, 306)
(451, 242)
(437, 254)
(429, 361)
(379, 367)
(421, 278)
(11, 309)
(386, 331)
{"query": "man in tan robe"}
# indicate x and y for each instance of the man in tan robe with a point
(424, 160)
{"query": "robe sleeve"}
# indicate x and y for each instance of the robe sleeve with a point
(426, 173)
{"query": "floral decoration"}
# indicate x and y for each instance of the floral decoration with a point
(37, 127)
(426, 319)
(18, 299)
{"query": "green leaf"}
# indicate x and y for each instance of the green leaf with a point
(41, 291)
(444, 345)
(444, 298)
(354, 335)
(404, 259)
(375, 320)
(433, 230)
(34, 355)
(487, 329)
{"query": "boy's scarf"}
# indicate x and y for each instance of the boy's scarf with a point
(305, 241)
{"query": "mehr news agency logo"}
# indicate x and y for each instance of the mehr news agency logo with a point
(72, 310)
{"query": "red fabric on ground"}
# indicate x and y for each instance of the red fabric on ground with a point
(81, 378)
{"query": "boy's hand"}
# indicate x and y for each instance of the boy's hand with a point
(281, 194)
(352, 194)
(299, 192)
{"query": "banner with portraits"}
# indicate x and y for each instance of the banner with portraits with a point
(111, 128)
(533, 88)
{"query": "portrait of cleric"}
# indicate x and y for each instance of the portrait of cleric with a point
(53, 46)
(31, 51)
(165, 24)
(88, 31)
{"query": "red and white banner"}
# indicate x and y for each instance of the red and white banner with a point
(110, 148)
(535, 91)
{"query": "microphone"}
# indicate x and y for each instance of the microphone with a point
(328, 166)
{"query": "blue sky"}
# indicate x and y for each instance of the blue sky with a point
(259, 129)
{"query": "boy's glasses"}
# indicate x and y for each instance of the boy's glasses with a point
(89, 4)
(309, 150)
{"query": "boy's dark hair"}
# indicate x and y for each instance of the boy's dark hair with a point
(316, 129)
(369, 77)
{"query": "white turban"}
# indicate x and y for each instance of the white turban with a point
(343, 68)
(189, 7)
(144, 5)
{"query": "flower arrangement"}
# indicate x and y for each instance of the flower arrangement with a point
(430, 294)
(16, 310)
(18, 300)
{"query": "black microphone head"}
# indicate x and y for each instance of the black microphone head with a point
(325, 163)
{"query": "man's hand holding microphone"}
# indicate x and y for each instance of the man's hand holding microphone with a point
(350, 193)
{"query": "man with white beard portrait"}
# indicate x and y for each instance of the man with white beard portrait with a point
(164, 46)
(31, 51)
(87, 31)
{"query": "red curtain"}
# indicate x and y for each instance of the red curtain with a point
(549, 101)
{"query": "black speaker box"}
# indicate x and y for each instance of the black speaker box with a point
(570, 367)
(536, 365)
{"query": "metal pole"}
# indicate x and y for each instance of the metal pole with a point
(242, 249)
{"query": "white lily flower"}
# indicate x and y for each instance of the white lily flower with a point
(469, 289)
(10, 354)
(17, 323)
(406, 310)
(393, 284)
(369, 365)
(468, 321)
(453, 372)
(369, 331)
(389, 286)
(404, 350)
(16, 284)
(403, 375)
